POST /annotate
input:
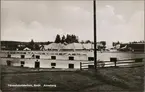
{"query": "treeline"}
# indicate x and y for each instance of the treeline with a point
(11, 45)
(134, 42)
(66, 39)
(137, 46)
(14, 45)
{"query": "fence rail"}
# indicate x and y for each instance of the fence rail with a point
(134, 62)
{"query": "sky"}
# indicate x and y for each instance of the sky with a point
(41, 20)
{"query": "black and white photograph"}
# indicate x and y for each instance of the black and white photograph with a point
(72, 46)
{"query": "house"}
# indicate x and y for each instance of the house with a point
(69, 47)
(74, 46)
(27, 49)
(117, 46)
(54, 46)
(136, 47)
(88, 46)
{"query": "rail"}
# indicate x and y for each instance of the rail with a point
(135, 62)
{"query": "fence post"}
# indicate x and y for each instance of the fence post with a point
(113, 60)
(80, 65)
(115, 63)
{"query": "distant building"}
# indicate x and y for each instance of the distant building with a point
(54, 46)
(27, 49)
(136, 47)
(3, 47)
(69, 47)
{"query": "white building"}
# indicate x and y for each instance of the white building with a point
(54, 55)
(45, 59)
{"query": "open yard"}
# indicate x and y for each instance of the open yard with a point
(105, 80)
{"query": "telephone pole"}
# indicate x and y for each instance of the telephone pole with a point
(95, 52)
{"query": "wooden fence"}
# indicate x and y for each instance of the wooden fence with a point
(114, 62)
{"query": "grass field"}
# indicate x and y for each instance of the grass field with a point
(105, 80)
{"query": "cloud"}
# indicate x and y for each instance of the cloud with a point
(35, 30)
(76, 10)
(113, 27)
(107, 13)
(42, 20)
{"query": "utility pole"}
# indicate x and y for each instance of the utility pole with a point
(95, 52)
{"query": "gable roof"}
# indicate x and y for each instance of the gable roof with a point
(74, 46)
(54, 46)
(87, 46)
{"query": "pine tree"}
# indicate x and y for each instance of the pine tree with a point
(31, 44)
(57, 39)
(63, 39)
(87, 41)
(103, 43)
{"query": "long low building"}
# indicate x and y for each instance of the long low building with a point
(45, 59)
(53, 59)
(68, 47)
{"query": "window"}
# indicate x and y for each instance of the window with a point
(22, 62)
(71, 58)
(90, 58)
(53, 57)
(9, 56)
(33, 56)
(71, 65)
(37, 57)
(91, 66)
(8, 63)
(53, 64)
(60, 53)
(52, 67)
(22, 56)
(22, 65)
(73, 54)
(37, 64)
(113, 59)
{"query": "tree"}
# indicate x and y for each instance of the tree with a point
(31, 44)
(63, 39)
(36, 47)
(87, 41)
(118, 42)
(57, 39)
(82, 42)
(103, 43)
(77, 39)
(67, 38)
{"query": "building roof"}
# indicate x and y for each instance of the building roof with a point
(54, 46)
(74, 46)
(71, 46)
(26, 48)
(87, 46)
